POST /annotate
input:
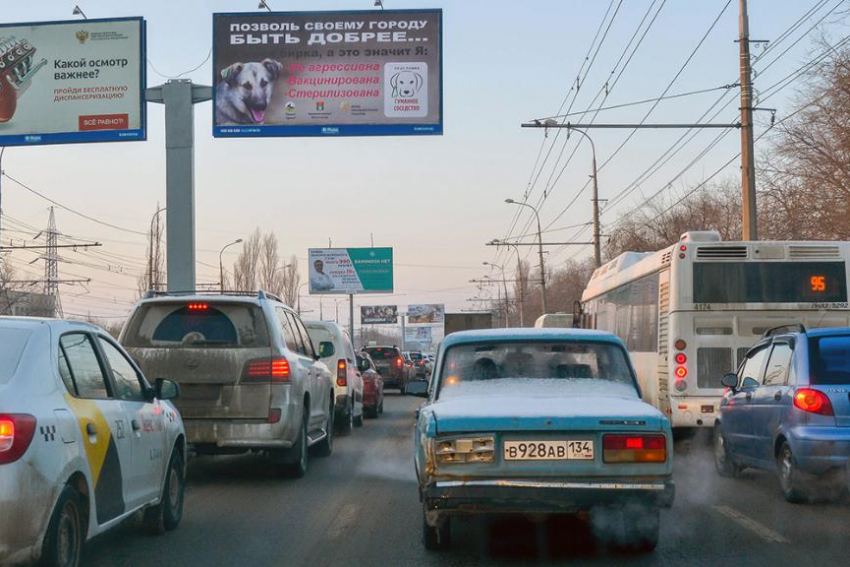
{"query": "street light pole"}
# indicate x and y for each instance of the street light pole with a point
(505, 285)
(298, 291)
(540, 251)
(597, 239)
(221, 262)
(520, 279)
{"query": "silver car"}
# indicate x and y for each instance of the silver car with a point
(249, 374)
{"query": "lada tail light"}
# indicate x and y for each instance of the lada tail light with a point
(477, 450)
(273, 369)
(813, 401)
(634, 448)
(341, 373)
(16, 433)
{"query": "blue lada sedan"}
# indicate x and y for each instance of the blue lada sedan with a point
(541, 421)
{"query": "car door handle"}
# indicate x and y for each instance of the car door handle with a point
(749, 396)
(91, 429)
(777, 396)
(135, 425)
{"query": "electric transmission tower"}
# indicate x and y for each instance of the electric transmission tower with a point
(51, 266)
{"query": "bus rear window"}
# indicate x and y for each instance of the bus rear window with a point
(830, 360)
(770, 282)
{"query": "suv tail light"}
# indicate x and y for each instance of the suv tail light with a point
(342, 373)
(399, 361)
(813, 401)
(634, 448)
(16, 433)
(274, 369)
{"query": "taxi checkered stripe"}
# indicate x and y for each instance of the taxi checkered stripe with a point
(48, 432)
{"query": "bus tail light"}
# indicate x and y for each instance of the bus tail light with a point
(633, 448)
(16, 433)
(680, 344)
(342, 373)
(681, 358)
(813, 401)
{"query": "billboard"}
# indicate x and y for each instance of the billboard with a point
(351, 270)
(378, 314)
(425, 314)
(67, 82)
(364, 73)
(418, 338)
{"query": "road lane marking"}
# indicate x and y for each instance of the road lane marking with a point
(745, 521)
(343, 520)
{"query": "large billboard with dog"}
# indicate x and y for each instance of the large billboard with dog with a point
(366, 73)
(66, 82)
(345, 271)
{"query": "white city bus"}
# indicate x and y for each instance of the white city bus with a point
(690, 312)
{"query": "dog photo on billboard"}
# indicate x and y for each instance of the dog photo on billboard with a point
(406, 84)
(245, 91)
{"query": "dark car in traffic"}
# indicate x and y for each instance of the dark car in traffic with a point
(391, 365)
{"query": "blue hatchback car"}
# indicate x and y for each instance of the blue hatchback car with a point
(788, 410)
(541, 421)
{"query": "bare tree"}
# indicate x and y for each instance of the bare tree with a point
(291, 281)
(245, 267)
(270, 274)
(153, 278)
(11, 292)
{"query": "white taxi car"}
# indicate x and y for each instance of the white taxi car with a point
(85, 441)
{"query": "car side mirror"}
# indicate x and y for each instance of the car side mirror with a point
(730, 381)
(418, 388)
(166, 389)
(363, 365)
(326, 349)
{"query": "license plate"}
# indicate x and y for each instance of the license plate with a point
(548, 450)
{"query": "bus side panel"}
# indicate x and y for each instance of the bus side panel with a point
(662, 402)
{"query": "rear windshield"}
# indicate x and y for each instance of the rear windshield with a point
(830, 359)
(584, 366)
(416, 356)
(379, 353)
(12, 343)
(197, 325)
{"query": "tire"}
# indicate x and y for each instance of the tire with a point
(325, 447)
(347, 422)
(298, 454)
(436, 538)
(358, 420)
(722, 461)
(789, 476)
(166, 515)
(64, 539)
(381, 406)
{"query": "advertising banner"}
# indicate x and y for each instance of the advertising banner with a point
(425, 314)
(378, 314)
(351, 270)
(67, 82)
(418, 338)
(366, 73)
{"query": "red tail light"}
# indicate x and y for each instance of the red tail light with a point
(342, 373)
(634, 448)
(198, 306)
(267, 370)
(16, 433)
(813, 401)
(399, 362)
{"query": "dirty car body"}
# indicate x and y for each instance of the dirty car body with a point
(540, 421)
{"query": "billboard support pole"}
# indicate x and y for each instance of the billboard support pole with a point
(179, 97)
(351, 316)
(403, 332)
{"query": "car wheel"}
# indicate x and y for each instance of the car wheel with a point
(166, 515)
(722, 461)
(297, 465)
(347, 421)
(437, 538)
(789, 476)
(325, 447)
(64, 539)
(358, 421)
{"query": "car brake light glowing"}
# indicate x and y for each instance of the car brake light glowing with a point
(634, 448)
(341, 373)
(198, 306)
(269, 369)
(813, 401)
(399, 362)
(681, 358)
(16, 433)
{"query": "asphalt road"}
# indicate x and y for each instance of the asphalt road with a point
(360, 508)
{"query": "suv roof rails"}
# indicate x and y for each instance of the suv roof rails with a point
(259, 294)
(794, 328)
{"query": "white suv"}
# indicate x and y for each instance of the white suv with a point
(348, 383)
(85, 441)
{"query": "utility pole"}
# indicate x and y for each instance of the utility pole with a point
(51, 266)
(179, 97)
(748, 172)
(544, 303)
(351, 316)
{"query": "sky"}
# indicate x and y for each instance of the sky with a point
(435, 199)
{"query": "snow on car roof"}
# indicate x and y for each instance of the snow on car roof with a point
(528, 334)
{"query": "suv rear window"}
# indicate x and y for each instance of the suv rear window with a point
(415, 356)
(381, 353)
(12, 343)
(197, 325)
(830, 359)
